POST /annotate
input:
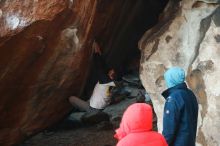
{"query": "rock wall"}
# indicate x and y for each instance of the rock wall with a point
(45, 54)
(187, 36)
(44, 59)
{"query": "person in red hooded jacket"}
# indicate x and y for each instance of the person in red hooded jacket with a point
(136, 128)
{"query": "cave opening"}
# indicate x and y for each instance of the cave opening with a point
(119, 37)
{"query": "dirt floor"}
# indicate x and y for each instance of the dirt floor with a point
(91, 136)
(71, 132)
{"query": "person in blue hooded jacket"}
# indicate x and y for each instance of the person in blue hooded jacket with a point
(180, 110)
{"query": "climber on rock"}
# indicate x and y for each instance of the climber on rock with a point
(180, 110)
(101, 96)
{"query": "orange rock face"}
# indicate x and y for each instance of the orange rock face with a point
(42, 63)
(45, 53)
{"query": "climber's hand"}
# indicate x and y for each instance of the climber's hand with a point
(96, 48)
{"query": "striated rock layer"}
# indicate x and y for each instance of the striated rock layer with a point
(187, 36)
(43, 51)
(46, 52)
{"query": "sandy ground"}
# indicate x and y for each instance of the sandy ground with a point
(72, 132)
(69, 133)
(81, 137)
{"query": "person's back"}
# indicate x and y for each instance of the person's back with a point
(136, 128)
(180, 111)
(149, 138)
(189, 119)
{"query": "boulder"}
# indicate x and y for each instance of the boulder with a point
(186, 36)
(44, 59)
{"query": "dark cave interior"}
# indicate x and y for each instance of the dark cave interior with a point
(119, 38)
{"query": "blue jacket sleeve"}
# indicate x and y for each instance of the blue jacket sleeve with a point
(170, 120)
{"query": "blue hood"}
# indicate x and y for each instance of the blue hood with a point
(174, 76)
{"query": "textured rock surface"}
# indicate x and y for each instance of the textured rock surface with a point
(187, 36)
(46, 51)
(42, 62)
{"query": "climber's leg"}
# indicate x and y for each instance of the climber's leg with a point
(79, 103)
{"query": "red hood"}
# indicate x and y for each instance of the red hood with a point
(137, 118)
